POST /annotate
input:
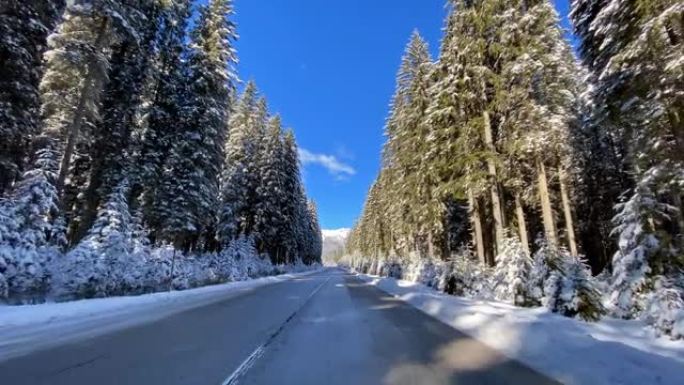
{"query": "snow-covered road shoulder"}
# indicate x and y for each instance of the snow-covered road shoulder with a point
(28, 328)
(574, 352)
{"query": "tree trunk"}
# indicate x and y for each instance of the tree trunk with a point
(567, 211)
(430, 245)
(79, 114)
(497, 211)
(545, 201)
(522, 225)
(477, 227)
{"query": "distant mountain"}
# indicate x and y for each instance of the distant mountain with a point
(334, 240)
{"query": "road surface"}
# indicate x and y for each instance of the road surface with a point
(324, 329)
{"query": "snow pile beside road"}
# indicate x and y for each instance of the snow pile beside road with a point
(610, 351)
(31, 327)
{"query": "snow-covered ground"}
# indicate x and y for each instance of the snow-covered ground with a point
(611, 351)
(31, 327)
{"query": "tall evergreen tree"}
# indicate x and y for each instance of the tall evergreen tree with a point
(24, 27)
(405, 150)
(271, 195)
(235, 180)
(634, 52)
(162, 118)
(112, 137)
(191, 185)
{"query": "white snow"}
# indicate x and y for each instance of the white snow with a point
(611, 351)
(334, 240)
(27, 328)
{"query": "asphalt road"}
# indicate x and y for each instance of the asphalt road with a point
(325, 329)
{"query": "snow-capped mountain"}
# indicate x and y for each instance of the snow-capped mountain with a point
(334, 240)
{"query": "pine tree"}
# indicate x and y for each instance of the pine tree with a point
(315, 241)
(634, 52)
(162, 119)
(294, 200)
(271, 195)
(24, 27)
(27, 228)
(234, 178)
(191, 185)
(601, 158)
(571, 291)
(410, 204)
(638, 249)
(76, 69)
(103, 263)
(511, 272)
(112, 137)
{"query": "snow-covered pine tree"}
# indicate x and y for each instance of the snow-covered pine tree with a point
(456, 151)
(563, 283)
(315, 241)
(638, 252)
(634, 51)
(601, 157)
(664, 308)
(27, 229)
(269, 220)
(235, 182)
(24, 27)
(112, 136)
(405, 134)
(511, 272)
(162, 119)
(76, 69)
(255, 145)
(103, 263)
(293, 200)
(536, 103)
(571, 290)
(191, 178)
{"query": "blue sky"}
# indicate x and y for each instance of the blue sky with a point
(328, 67)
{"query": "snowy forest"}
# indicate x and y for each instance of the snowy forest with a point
(129, 163)
(533, 167)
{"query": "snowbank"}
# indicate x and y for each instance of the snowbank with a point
(32, 327)
(610, 351)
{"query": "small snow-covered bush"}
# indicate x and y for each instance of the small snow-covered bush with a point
(563, 284)
(663, 308)
(512, 272)
(425, 271)
(545, 261)
(392, 267)
(571, 291)
(465, 276)
(24, 270)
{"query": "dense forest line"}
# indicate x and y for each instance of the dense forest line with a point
(510, 163)
(128, 161)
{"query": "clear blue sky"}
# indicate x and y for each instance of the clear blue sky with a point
(328, 67)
